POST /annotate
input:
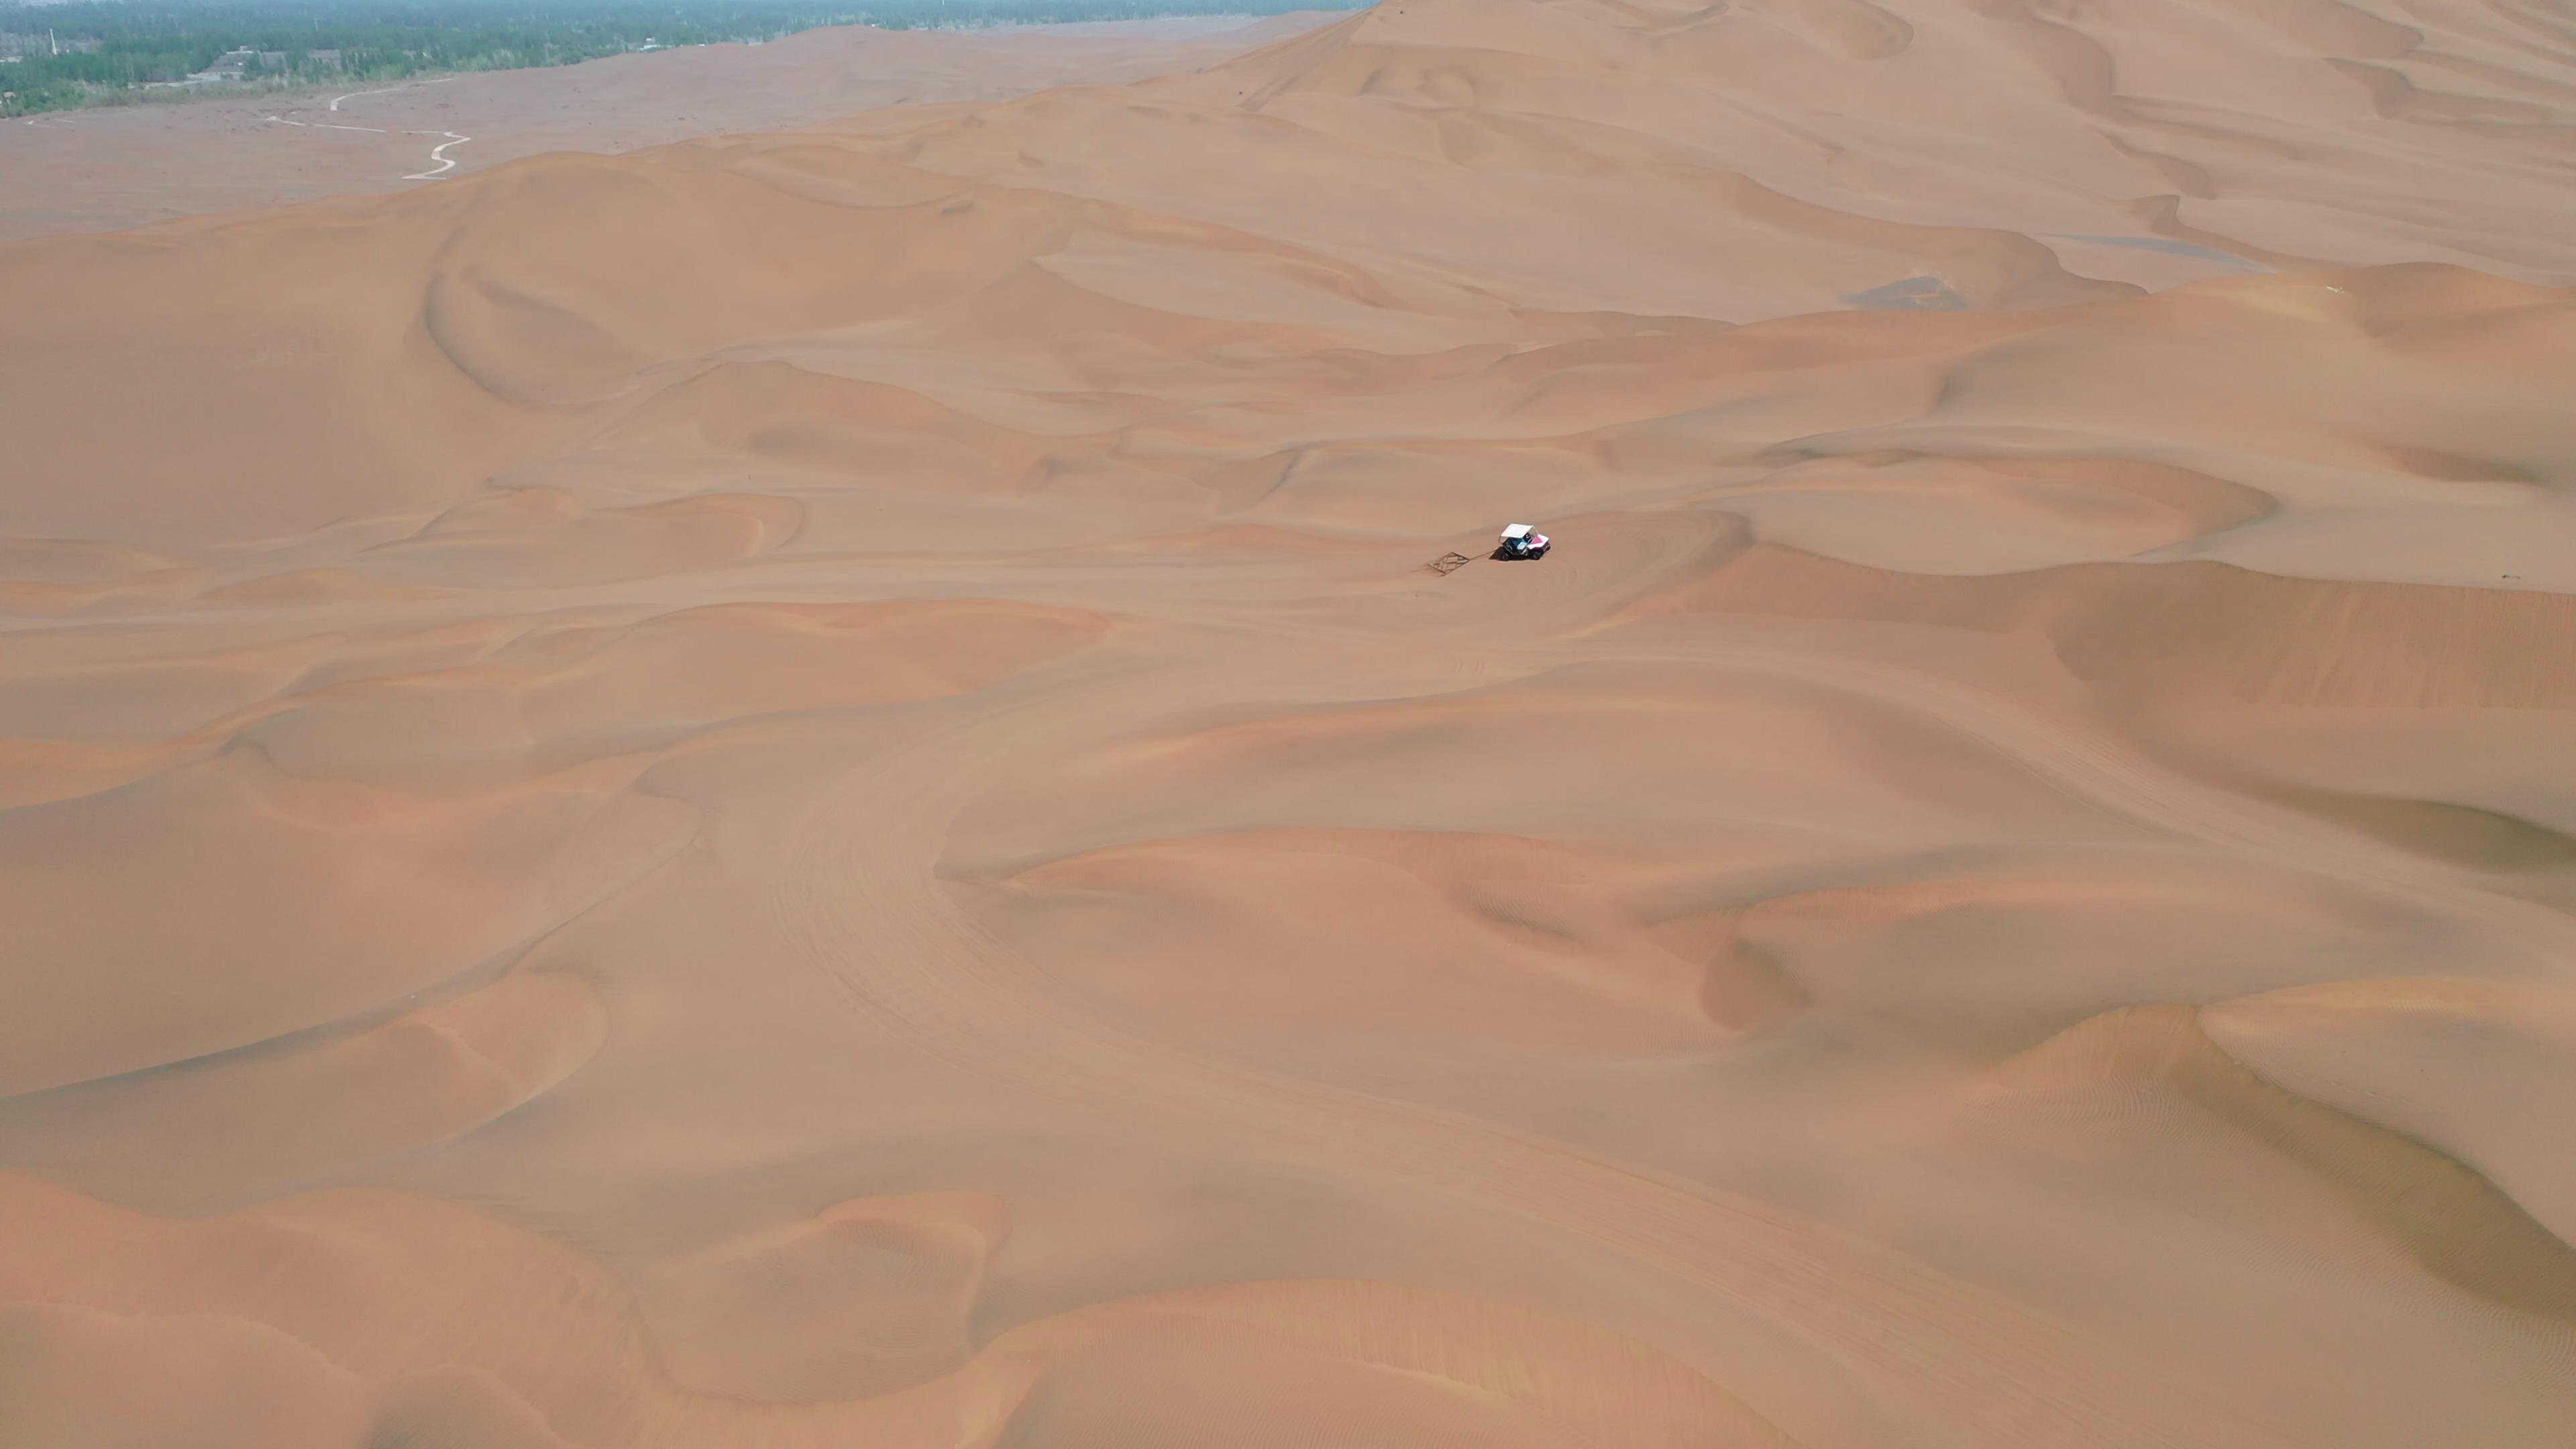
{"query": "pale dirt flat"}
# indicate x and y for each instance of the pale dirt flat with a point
(124, 166)
(808, 788)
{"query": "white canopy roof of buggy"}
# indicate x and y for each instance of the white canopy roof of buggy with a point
(1517, 530)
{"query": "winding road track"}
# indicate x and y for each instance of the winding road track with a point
(438, 153)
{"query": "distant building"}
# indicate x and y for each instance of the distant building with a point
(228, 66)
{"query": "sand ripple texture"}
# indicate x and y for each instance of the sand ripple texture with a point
(808, 789)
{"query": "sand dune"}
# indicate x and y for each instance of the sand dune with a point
(808, 787)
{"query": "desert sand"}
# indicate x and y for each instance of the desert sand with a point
(808, 788)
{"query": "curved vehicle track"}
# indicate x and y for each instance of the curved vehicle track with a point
(444, 163)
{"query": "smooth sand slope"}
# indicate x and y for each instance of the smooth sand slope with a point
(808, 789)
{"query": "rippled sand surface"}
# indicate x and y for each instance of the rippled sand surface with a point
(809, 789)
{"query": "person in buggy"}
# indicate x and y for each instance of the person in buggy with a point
(1522, 541)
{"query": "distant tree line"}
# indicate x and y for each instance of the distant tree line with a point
(106, 52)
